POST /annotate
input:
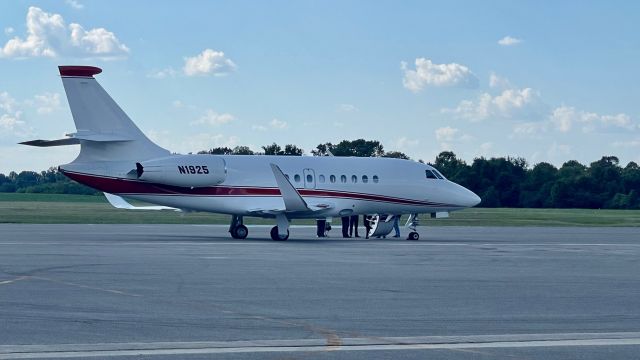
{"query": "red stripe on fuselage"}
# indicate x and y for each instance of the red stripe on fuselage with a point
(131, 186)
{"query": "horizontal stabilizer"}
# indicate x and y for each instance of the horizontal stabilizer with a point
(46, 143)
(120, 203)
(75, 138)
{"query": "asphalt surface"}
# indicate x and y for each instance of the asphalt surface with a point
(191, 292)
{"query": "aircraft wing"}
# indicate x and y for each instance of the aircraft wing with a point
(293, 201)
(120, 203)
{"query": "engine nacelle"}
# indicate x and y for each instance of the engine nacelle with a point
(184, 170)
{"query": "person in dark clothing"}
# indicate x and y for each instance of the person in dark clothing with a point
(367, 225)
(321, 225)
(345, 226)
(353, 224)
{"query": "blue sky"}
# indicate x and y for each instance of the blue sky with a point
(548, 82)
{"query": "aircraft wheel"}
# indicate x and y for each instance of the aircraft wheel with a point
(240, 232)
(275, 236)
(413, 236)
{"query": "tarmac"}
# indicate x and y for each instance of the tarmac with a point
(192, 292)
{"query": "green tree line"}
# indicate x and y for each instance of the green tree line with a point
(500, 182)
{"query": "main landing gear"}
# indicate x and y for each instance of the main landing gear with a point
(412, 224)
(279, 232)
(237, 228)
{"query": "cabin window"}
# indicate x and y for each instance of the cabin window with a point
(375, 179)
(332, 178)
(430, 174)
(343, 179)
(296, 178)
(365, 179)
(309, 178)
(354, 179)
(321, 178)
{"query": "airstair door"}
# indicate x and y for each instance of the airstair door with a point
(309, 178)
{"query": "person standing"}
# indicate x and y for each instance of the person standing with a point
(353, 224)
(367, 225)
(321, 225)
(396, 226)
(345, 226)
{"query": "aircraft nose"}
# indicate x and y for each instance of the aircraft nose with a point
(469, 198)
(465, 197)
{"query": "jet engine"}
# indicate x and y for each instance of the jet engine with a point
(183, 170)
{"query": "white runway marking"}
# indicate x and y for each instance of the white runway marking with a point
(317, 345)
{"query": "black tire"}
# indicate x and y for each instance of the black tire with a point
(413, 236)
(275, 236)
(240, 232)
(233, 233)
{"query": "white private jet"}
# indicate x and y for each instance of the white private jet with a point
(119, 160)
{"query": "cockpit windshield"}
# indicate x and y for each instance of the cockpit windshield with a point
(434, 174)
(438, 174)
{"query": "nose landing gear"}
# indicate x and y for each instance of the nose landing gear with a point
(412, 224)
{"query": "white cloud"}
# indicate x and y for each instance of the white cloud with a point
(209, 62)
(191, 142)
(627, 144)
(45, 103)
(509, 41)
(516, 104)
(163, 74)
(404, 143)
(204, 141)
(177, 104)
(211, 117)
(74, 4)
(278, 124)
(446, 133)
(558, 150)
(347, 108)
(486, 149)
(7, 102)
(427, 73)
(564, 118)
(620, 120)
(496, 81)
(11, 124)
(49, 36)
(529, 129)
(8, 30)
(273, 124)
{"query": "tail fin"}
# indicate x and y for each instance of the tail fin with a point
(104, 131)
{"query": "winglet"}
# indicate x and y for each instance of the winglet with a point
(120, 203)
(292, 199)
